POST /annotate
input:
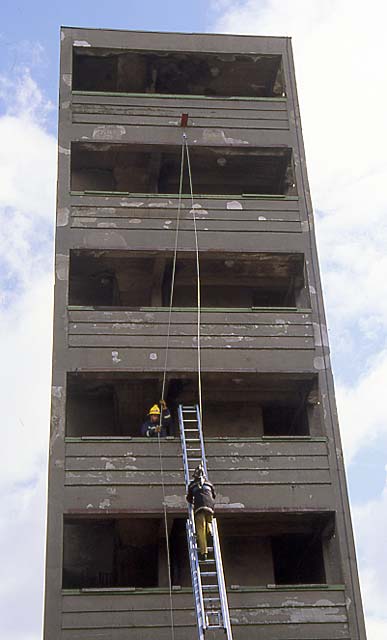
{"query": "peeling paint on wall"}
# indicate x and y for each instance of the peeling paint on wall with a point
(160, 205)
(61, 266)
(109, 132)
(81, 43)
(234, 204)
(62, 217)
(177, 501)
(57, 392)
(319, 363)
(217, 136)
(320, 335)
(125, 203)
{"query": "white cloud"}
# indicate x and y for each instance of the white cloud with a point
(339, 52)
(27, 206)
(362, 408)
(27, 185)
(23, 184)
(371, 525)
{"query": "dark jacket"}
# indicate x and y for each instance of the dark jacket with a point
(148, 428)
(201, 496)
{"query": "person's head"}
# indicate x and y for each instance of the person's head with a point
(199, 474)
(154, 414)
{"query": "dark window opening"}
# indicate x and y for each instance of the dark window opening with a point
(270, 548)
(298, 559)
(230, 281)
(123, 552)
(235, 406)
(216, 170)
(111, 553)
(285, 420)
(204, 74)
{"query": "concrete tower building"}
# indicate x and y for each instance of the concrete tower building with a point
(269, 414)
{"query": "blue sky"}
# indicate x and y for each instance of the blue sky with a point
(342, 97)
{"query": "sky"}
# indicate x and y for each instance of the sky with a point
(341, 73)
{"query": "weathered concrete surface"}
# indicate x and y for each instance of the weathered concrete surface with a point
(280, 613)
(126, 222)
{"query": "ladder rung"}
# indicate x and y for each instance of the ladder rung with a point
(189, 420)
(192, 440)
(210, 586)
(208, 573)
(212, 599)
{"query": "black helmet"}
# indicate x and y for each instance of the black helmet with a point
(199, 472)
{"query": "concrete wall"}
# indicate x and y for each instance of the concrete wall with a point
(108, 477)
(298, 476)
(278, 613)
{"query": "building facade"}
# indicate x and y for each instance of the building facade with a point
(269, 414)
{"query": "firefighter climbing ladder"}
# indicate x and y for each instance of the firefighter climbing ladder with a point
(207, 575)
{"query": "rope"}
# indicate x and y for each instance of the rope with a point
(173, 269)
(198, 288)
(163, 389)
(166, 538)
(184, 150)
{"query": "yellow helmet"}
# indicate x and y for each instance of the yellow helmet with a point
(154, 411)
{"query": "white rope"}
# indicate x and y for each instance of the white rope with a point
(184, 149)
(166, 537)
(163, 389)
(173, 269)
(198, 288)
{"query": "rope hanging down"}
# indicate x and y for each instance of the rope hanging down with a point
(184, 151)
(198, 288)
(163, 389)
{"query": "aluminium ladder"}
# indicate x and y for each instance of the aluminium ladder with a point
(207, 575)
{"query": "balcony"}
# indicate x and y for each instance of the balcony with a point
(260, 431)
(278, 613)
(178, 73)
(280, 569)
(114, 221)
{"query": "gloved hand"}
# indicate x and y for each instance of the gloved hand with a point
(163, 404)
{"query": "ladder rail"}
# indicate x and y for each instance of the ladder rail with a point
(221, 580)
(204, 459)
(196, 578)
(184, 446)
(190, 527)
(201, 609)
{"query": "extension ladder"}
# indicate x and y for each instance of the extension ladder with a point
(207, 575)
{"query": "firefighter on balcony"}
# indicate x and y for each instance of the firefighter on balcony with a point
(201, 494)
(158, 421)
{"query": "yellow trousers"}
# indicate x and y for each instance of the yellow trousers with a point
(203, 520)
